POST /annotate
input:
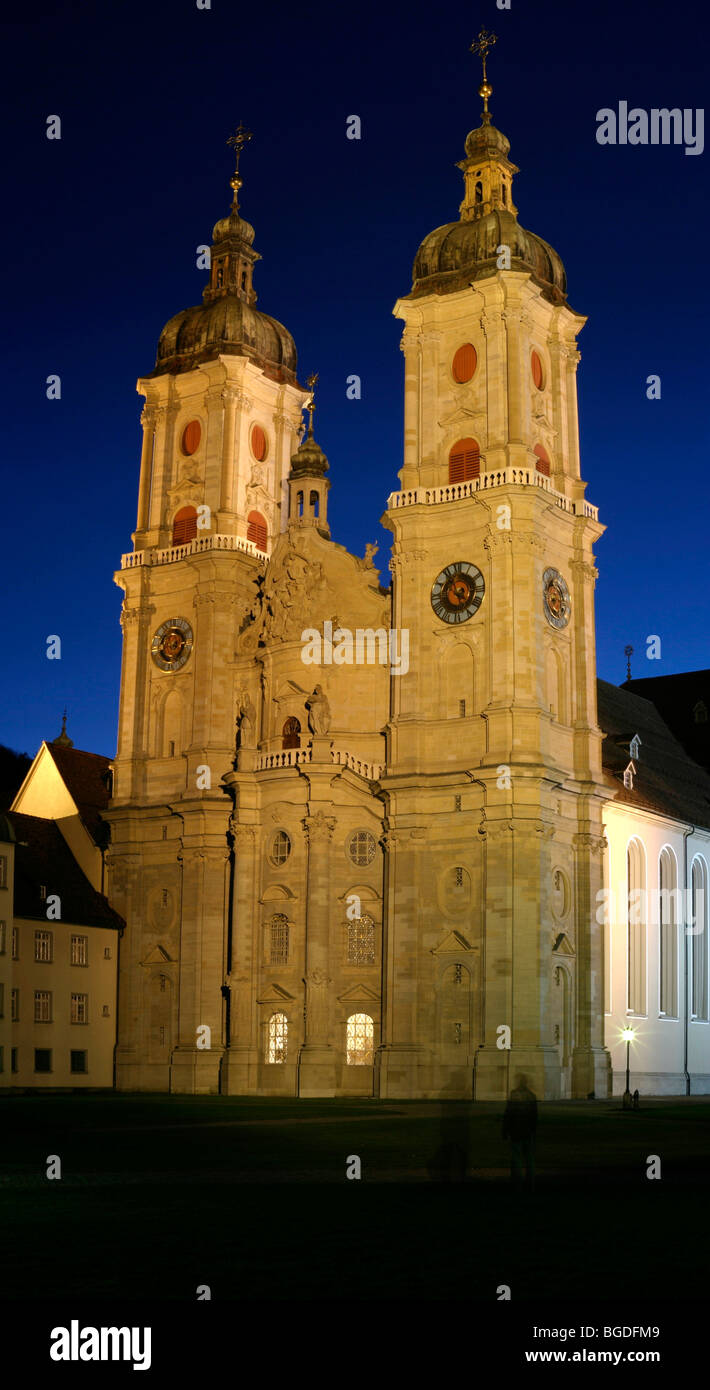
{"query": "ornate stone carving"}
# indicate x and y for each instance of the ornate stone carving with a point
(389, 840)
(597, 843)
(243, 835)
(584, 571)
(291, 587)
(319, 827)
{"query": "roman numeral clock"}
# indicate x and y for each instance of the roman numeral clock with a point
(457, 593)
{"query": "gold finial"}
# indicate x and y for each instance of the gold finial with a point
(239, 139)
(311, 405)
(482, 46)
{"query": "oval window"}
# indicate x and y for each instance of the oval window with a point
(464, 363)
(538, 375)
(258, 443)
(191, 437)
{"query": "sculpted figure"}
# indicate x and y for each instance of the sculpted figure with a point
(318, 712)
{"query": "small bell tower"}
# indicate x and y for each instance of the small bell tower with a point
(307, 484)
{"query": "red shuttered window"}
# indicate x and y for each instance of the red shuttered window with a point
(256, 530)
(185, 526)
(464, 461)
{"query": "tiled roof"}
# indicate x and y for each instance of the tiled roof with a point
(85, 775)
(43, 859)
(676, 698)
(666, 779)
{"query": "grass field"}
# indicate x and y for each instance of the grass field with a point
(160, 1194)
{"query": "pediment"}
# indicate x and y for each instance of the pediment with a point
(158, 956)
(359, 994)
(276, 893)
(563, 946)
(453, 942)
(460, 416)
(288, 691)
(275, 994)
(187, 486)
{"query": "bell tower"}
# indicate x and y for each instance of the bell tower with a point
(494, 788)
(221, 422)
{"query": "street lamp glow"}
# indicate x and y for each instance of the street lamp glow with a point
(627, 1034)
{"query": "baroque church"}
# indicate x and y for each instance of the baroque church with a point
(345, 876)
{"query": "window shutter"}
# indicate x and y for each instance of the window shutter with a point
(464, 461)
(185, 526)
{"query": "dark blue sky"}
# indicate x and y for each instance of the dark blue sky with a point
(100, 233)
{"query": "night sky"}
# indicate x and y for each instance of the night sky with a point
(100, 233)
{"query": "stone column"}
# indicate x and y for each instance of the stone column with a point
(401, 1061)
(162, 471)
(240, 1068)
(195, 1066)
(517, 448)
(317, 1058)
(229, 448)
(410, 471)
(573, 358)
(591, 1063)
(148, 417)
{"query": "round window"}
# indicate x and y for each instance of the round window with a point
(361, 847)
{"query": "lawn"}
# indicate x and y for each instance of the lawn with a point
(160, 1194)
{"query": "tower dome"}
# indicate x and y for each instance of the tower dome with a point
(227, 321)
(452, 256)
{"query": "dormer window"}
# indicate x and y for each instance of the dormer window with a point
(635, 748)
(504, 193)
(314, 503)
(219, 275)
(244, 280)
(629, 773)
(478, 194)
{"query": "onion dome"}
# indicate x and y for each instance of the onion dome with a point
(227, 321)
(453, 256)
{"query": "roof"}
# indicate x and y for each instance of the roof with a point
(86, 776)
(676, 698)
(667, 780)
(43, 859)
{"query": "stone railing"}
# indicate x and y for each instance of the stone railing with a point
(500, 477)
(168, 554)
(292, 757)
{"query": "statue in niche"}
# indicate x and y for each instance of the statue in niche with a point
(246, 722)
(318, 712)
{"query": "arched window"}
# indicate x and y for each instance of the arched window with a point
(542, 460)
(504, 194)
(278, 939)
(464, 461)
(361, 941)
(185, 526)
(277, 1043)
(668, 917)
(636, 927)
(360, 1040)
(699, 939)
(479, 193)
(256, 530)
(291, 733)
(244, 279)
(299, 503)
(314, 503)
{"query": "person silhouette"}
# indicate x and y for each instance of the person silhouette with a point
(519, 1126)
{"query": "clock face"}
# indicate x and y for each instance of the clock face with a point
(457, 592)
(556, 599)
(172, 644)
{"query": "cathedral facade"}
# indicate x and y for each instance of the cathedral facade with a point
(359, 833)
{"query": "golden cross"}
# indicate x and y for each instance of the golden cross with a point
(238, 140)
(482, 45)
(311, 405)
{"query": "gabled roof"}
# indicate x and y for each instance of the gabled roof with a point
(675, 698)
(86, 776)
(666, 779)
(43, 859)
